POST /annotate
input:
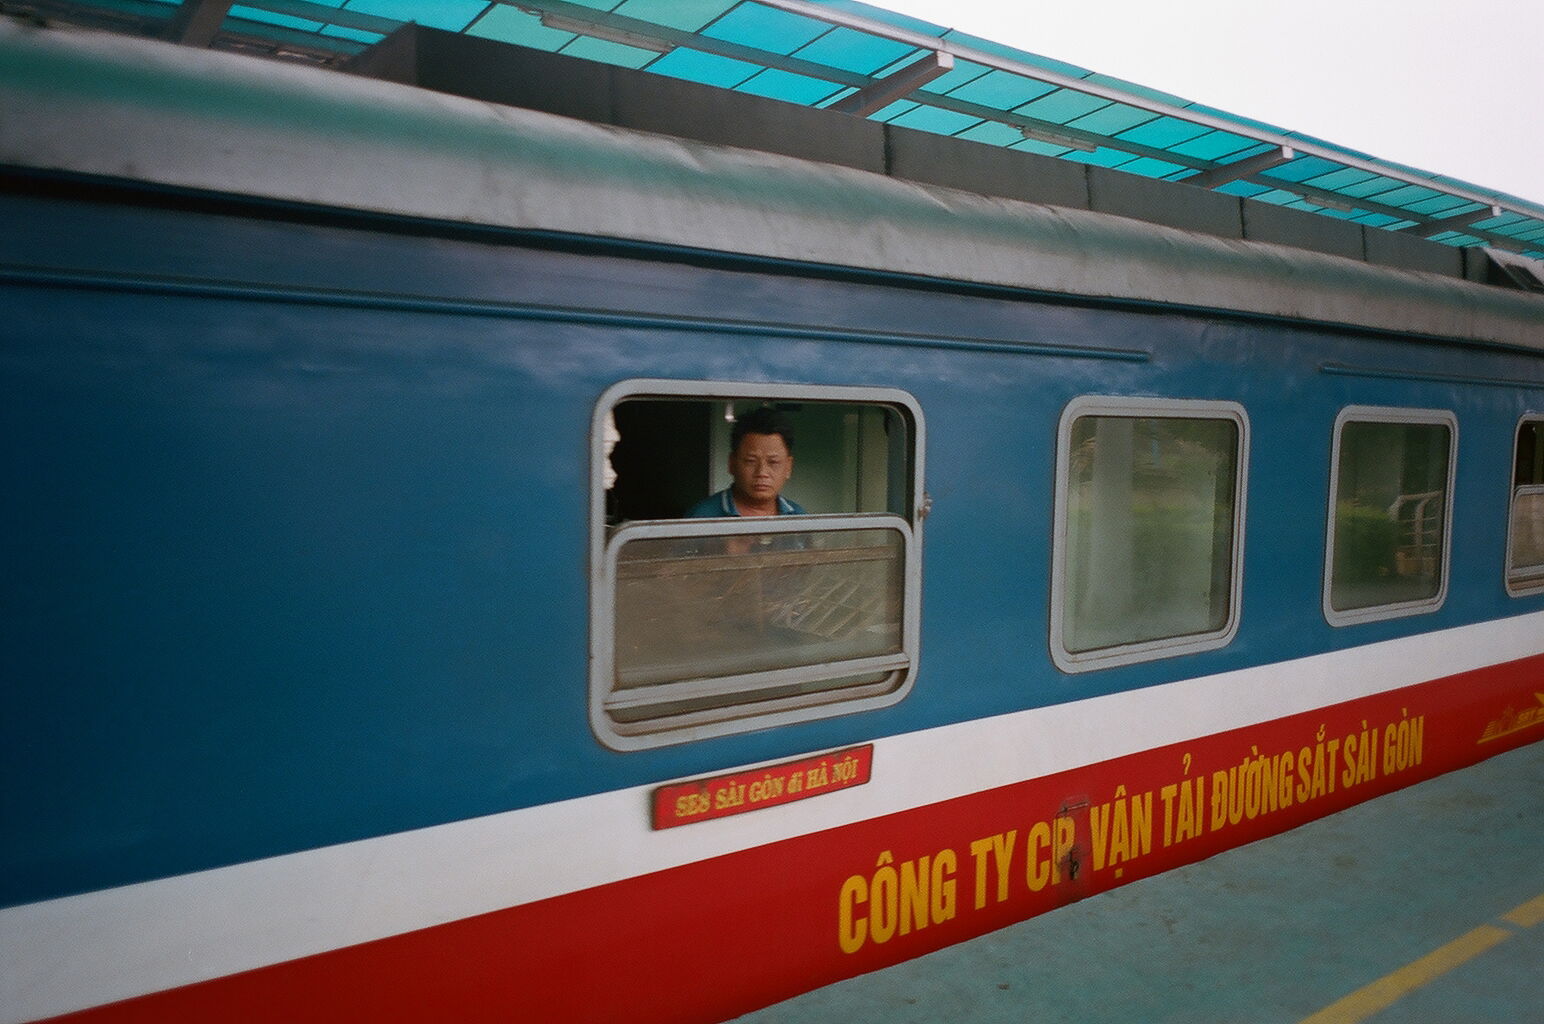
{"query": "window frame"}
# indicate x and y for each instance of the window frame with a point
(1533, 582)
(1394, 609)
(1164, 647)
(606, 544)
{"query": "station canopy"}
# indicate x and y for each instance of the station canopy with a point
(887, 67)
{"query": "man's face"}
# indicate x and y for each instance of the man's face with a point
(760, 467)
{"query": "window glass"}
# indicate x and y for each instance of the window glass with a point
(706, 621)
(1392, 484)
(1149, 545)
(717, 608)
(1525, 531)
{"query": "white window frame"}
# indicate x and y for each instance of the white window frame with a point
(1396, 609)
(1164, 647)
(606, 545)
(1532, 581)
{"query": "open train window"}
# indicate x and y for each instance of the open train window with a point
(1525, 526)
(722, 623)
(1149, 529)
(1391, 506)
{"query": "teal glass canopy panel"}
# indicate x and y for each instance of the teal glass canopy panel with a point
(1162, 132)
(1043, 148)
(964, 71)
(1018, 56)
(789, 87)
(1406, 195)
(1337, 181)
(995, 133)
(1100, 157)
(1314, 206)
(904, 22)
(1301, 169)
(1218, 146)
(1442, 207)
(846, 50)
(705, 68)
(1062, 106)
(1454, 238)
(939, 122)
(1000, 90)
(274, 18)
(766, 28)
(511, 25)
(894, 110)
(1373, 187)
(684, 15)
(1243, 189)
(450, 15)
(605, 51)
(1148, 167)
(1112, 119)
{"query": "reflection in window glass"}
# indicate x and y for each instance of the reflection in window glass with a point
(742, 614)
(1390, 513)
(1150, 531)
(1525, 534)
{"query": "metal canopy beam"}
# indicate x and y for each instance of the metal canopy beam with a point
(1462, 220)
(892, 87)
(197, 22)
(1246, 168)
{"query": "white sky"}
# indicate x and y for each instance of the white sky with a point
(1454, 87)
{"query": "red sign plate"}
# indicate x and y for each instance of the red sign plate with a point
(682, 803)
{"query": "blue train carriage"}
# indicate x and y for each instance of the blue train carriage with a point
(357, 663)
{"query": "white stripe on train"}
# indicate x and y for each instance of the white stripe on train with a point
(80, 951)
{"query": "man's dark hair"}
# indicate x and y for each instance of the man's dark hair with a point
(765, 420)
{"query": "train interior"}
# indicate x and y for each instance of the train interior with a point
(670, 453)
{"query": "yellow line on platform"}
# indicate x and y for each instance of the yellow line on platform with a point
(1366, 1001)
(1527, 915)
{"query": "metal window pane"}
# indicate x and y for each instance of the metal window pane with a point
(1390, 514)
(1150, 514)
(721, 606)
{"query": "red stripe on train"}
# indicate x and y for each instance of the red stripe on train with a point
(714, 939)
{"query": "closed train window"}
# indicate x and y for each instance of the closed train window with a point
(1149, 529)
(1525, 528)
(708, 618)
(1391, 501)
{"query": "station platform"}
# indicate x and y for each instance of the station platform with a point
(1425, 906)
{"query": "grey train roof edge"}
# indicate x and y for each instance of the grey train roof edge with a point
(106, 106)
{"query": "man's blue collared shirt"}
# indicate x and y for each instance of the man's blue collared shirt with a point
(716, 506)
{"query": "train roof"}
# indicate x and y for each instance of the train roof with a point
(110, 108)
(876, 65)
